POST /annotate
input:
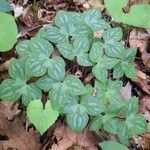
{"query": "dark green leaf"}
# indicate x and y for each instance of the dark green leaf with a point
(130, 54)
(118, 71)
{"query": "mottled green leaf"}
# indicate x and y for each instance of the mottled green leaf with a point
(10, 90)
(93, 106)
(74, 85)
(56, 69)
(45, 83)
(29, 93)
(16, 69)
(113, 33)
(96, 123)
(118, 71)
(78, 119)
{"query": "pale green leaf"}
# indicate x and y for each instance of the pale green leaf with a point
(5, 6)
(41, 117)
(141, 11)
(8, 32)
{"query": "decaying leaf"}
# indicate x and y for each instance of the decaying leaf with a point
(142, 81)
(17, 137)
(67, 138)
(139, 39)
(94, 4)
(9, 110)
(126, 91)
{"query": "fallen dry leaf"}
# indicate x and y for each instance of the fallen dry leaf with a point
(9, 110)
(126, 91)
(143, 81)
(17, 137)
(139, 39)
(94, 4)
(66, 138)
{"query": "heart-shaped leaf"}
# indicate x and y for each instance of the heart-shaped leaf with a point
(41, 117)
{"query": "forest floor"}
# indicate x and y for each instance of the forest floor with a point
(16, 133)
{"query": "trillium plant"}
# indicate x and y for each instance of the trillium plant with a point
(39, 72)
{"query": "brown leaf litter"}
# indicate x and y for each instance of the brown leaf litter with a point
(66, 139)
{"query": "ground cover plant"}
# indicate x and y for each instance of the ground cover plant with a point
(39, 80)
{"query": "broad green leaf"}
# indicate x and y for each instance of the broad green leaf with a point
(100, 73)
(131, 106)
(118, 71)
(5, 6)
(111, 125)
(124, 133)
(56, 69)
(39, 45)
(45, 83)
(58, 95)
(112, 145)
(129, 70)
(130, 54)
(74, 85)
(41, 117)
(16, 69)
(93, 106)
(10, 90)
(23, 49)
(29, 93)
(113, 33)
(54, 35)
(136, 123)
(8, 32)
(83, 59)
(141, 11)
(96, 123)
(66, 50)
(96, 52)
(78, 119)
(114, 48)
